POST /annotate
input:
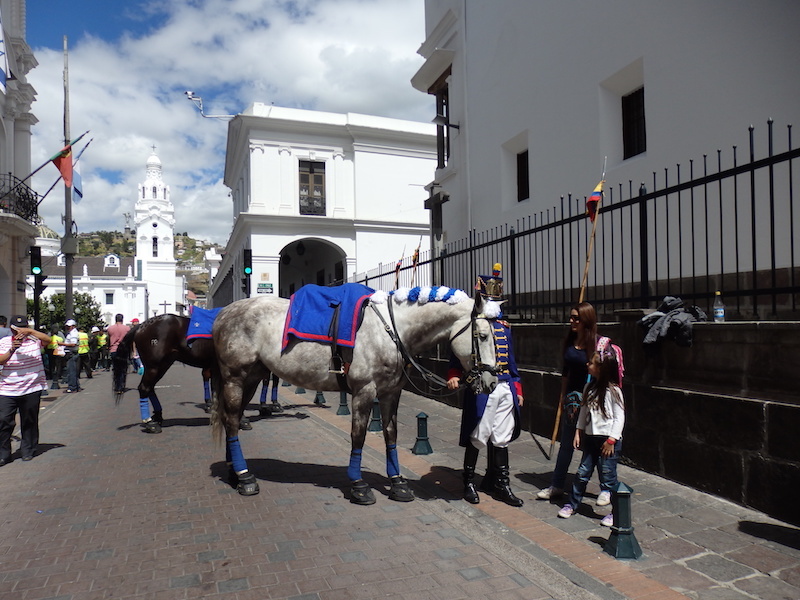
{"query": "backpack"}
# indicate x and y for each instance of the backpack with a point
(603, 344)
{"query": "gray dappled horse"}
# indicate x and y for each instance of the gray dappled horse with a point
(248, 336)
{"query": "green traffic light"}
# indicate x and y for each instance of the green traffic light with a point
(248, 270)
(36, 270)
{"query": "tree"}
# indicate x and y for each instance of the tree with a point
(86, 309)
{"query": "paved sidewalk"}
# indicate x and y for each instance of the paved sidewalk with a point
(108, 511)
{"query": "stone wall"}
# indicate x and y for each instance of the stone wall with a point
(721, 416)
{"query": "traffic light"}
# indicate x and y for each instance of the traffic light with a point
(247, 262)
(38, 285)
(36, 260)
(246, 285)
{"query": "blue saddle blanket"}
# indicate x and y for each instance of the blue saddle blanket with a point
(311, 312)
(200, 323)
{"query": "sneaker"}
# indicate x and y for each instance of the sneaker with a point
(566, 512)
(604, 499)
(549, 492)
(608, 520)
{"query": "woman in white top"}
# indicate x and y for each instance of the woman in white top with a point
(22, 380)
(598, 432)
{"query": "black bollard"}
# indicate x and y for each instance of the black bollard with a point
(343, 410)
(319, 399)
(422, 445)
(375, 422)
(622, 543)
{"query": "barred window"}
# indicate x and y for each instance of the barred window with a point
(312, 188)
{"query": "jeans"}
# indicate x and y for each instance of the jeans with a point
(28, 407)
(72, 371)
(565, 451)
(606, 467)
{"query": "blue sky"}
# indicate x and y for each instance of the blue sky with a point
(49, 20)
(130, 63)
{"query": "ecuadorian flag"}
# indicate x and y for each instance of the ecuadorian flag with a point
(594, 201)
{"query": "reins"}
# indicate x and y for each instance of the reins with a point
(427, 375)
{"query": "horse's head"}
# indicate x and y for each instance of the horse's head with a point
(473, 343)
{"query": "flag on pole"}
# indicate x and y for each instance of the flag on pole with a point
(4, 70)
(77, 182)
(63, 161)
(594, 201)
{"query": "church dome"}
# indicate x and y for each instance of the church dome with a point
(153, 161)
(45, 232)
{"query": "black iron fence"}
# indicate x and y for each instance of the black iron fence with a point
(729, 223)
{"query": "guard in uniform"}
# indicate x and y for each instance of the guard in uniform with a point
(491, 419)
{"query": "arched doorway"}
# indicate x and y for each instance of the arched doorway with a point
(310, 260)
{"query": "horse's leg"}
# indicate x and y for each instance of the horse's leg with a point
(151, 423)
(232, 407)
(248, 390)
(360, 492)
(207, 389)
(400, 491)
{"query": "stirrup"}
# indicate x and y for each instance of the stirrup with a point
(336, 365)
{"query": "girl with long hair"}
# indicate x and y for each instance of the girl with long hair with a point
(598, 431)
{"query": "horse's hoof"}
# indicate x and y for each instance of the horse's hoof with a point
(248, 486)
(151, 427)
(264, 411)
(277, 408)
(361, 493)
(244, 424)
(158, 417)
(207, 408)
(400, 492)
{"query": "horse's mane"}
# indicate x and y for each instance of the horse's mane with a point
(424, 294)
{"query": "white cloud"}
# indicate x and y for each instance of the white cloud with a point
(331, 55)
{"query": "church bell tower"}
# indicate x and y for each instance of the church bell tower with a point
(155, 241)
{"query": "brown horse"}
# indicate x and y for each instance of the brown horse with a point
(160, 342)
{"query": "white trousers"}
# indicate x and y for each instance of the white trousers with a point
(497, 423)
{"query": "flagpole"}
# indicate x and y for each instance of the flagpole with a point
(69, 244)
(591, 242)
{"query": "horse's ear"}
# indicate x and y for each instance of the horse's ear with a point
(478, 301)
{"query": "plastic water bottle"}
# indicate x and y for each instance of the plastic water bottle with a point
(719, 308)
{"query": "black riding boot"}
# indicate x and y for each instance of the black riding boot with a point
(487, 484)
(470, 458)
(502, 487)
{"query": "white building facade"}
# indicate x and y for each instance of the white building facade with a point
(542, 94)
(18, 203)
(138, 287)
(318, 197)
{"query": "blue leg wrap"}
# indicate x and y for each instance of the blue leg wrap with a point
(354, 469)
(392, 464)
(144, 408)
(155, 402)
(263, 399)
(235, 456)
(274, 396)
(207, 390)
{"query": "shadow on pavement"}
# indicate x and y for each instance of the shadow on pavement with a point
(780, 534)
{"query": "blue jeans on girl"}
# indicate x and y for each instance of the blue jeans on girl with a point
(606, 468)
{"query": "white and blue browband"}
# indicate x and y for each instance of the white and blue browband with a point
(425, 294)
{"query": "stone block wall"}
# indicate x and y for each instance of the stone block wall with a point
(722, 416)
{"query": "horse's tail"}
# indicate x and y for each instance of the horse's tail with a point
(121, 357)
(219, 419)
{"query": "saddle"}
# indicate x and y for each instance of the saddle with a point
(328, 315)
(200, 323)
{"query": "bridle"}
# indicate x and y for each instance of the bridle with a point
(473, 377)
